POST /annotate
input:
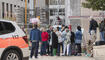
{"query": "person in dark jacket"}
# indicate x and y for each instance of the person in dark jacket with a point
(54, 42)
(102, 30)
(35, 37)
(93, 25)
(49, 45)
(93, 30)
(72, 38)
(49, 48)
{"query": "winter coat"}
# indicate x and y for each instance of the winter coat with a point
(35, 35)
(63, 36)
(78, 37)
(59, 36)
(93, 25)
(44, 36)
(72, 38)
(67, 41)
(49, 32)
(102, 26)
(54, 40)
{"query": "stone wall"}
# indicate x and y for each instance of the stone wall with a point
(99, 52)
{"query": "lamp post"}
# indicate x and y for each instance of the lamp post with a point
(26, 14)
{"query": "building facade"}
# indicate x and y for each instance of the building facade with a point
(65, 10)
(56, 11)
(10, 9)
(72, 10)
(39, 9)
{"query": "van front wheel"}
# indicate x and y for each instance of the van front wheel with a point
(12, 55)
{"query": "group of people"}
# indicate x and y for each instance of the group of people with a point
(62, 41)
(55, 41)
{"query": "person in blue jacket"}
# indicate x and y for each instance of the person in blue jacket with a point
(35, 37)
(78, 40)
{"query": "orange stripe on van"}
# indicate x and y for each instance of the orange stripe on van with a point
(19, 42)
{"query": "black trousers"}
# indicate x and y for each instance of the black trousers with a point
(78, 48)
(48, 48)
(34, 50)
(51, 50)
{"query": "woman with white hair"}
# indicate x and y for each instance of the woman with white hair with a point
(44, 39)
(67, 42)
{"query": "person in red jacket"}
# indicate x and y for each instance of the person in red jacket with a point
(44, 36)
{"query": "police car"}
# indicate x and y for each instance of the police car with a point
(13, 41)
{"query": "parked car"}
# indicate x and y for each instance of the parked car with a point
(13, 41)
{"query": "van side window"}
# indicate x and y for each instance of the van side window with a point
(1, 28)
(7, 28)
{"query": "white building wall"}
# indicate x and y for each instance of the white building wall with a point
(32, 6)
(72, 9)
(68, 12)
(57, 5)
(0, 9)
(13, 2)
(40, 3)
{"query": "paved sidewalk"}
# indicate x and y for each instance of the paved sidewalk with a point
(62, 58)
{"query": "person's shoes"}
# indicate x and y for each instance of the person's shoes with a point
(36, 57)
(68, 55)
(46, 55)
(79, 54)
(41, 55)
(30, 58)
(51, 54)
(58, 55)
(63, 55)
